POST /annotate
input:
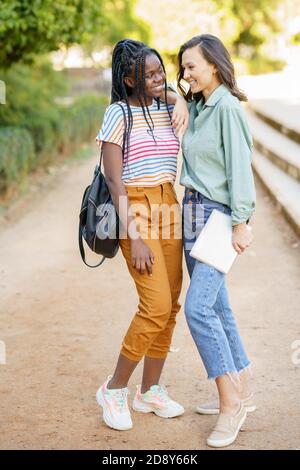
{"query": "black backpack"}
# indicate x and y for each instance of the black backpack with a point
(98, 219)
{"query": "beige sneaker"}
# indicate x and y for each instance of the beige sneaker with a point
(212, 408)
(227, 428)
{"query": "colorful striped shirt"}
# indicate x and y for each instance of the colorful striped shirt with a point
(151, 157)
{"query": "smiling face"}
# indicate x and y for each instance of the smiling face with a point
(200, 74)
(154, 77)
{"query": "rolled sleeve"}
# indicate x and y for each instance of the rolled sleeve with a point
(238, 144)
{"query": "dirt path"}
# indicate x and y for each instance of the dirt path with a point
(62, 324)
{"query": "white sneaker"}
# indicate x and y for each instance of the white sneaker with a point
(227, 428)
(156, 400)
(114, 403)
(213, 408)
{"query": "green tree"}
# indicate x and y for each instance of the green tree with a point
(255, 21)
(119, 21)
(31, 27)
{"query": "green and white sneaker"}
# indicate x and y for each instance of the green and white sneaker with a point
(156, 400)
(114, 404)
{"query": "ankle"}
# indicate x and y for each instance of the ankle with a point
(231, 406)
(245, 392)
(114, 384)
(146, 387)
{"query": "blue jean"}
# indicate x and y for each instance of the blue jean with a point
(207, 310)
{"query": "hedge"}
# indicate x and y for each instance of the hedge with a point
(16, 155)
(23, 149)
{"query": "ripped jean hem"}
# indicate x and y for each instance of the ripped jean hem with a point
(233, 374)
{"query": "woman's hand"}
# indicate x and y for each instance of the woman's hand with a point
(241, 237)
(180, 119)
(142, 256)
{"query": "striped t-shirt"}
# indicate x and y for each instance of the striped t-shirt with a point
(148, 161)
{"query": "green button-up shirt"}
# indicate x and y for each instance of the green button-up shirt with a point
(217, 149)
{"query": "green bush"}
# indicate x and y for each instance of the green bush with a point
(30, 102)
(16, 155)
(33, 104)
(32, 96)
(80, 121)
(72, 125)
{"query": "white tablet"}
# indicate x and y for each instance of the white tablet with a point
(214, 243)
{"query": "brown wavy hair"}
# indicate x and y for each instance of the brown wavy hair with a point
(214, 52)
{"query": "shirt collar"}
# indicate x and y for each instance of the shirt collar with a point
(216, 95)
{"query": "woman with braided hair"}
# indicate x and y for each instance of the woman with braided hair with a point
(140, 151)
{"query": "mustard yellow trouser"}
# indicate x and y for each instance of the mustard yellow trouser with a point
(151, 329)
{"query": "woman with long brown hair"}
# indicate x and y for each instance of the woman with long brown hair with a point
(217, 174)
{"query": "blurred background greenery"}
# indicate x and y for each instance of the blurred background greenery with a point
(55, 59)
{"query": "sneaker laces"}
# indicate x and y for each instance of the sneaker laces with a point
(161, 391)
(121, 399)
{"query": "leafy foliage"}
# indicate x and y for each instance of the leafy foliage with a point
(31, 27)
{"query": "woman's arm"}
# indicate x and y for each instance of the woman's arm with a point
(142, 257)
(237, 143)
(180, 117)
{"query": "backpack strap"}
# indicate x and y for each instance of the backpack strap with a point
(80, 237)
